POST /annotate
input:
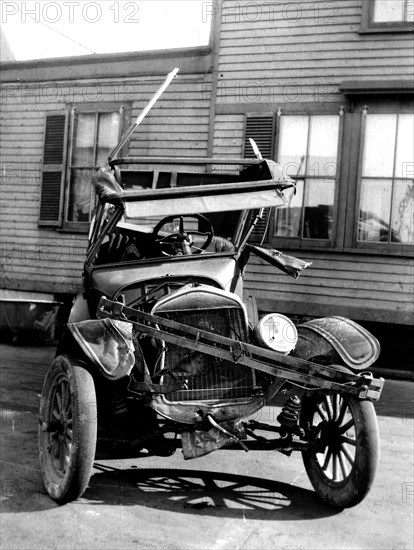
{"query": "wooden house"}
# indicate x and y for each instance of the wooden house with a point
(325, 88)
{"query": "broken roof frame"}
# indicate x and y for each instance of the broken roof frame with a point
(218, 197)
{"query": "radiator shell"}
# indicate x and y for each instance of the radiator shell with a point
(225, 389)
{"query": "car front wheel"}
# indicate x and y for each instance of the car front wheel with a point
(67, 429)
(343, 452)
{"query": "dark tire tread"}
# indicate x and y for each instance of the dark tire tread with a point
(73, 483)
(353, 489)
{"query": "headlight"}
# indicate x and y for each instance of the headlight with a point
(277, 332)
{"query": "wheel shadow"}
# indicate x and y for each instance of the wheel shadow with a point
(206, 492)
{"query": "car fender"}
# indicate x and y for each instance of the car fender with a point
(337, 338)
(106, 343)
(80, 310)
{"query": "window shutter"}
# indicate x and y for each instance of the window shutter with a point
(262, 130)
(54, 157)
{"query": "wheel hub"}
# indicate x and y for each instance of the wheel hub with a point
(331, 436)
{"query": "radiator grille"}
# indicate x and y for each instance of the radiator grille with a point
(209, 378)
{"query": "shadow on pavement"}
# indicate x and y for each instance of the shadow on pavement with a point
(24, 494)
(176, 490)
(205, 492)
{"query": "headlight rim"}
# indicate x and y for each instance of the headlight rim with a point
(283, 342)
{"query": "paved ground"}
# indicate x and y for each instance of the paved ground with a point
(226, 500)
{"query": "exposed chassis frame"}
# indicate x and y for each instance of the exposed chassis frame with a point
(284, 443)
(290, 369)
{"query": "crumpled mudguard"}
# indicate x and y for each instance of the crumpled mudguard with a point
(337, 336)
(108, 344)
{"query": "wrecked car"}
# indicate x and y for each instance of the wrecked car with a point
(163, 351)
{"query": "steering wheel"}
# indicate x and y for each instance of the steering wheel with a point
(182, 238)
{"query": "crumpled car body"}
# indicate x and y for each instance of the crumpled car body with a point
(168, 344)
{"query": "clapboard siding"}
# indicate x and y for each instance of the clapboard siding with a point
(228, 136)
(353, 279)
(273, 45)
(340, 66)
(299, 53)
(294, 48)
(278, 70)
(346, 287)
(333, 69)
(41, 259)
(43, 248)
(365, 288)
(14, 134)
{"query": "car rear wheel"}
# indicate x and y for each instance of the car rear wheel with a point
(343, 449)
(67, 429)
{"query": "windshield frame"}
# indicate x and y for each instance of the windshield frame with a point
(259, 186)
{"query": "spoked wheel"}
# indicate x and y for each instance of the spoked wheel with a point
(67, 429)
(343, 447)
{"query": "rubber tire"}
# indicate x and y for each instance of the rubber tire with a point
(69, 485)
(354, 488)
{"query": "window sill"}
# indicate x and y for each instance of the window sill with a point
(386, 29)
(281, 242)
(402, 251)
(376, 87)
(74, 228)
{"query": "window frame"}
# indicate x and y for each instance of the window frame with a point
(124, 109)
(368, 25)
(347, 191)
(351, 234)
(300, 243)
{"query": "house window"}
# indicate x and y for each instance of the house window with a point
(386, 199)
(393, 11)
(94, 135)
(391, 15)
(354, 175)
(74, 146)
(308, 152)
